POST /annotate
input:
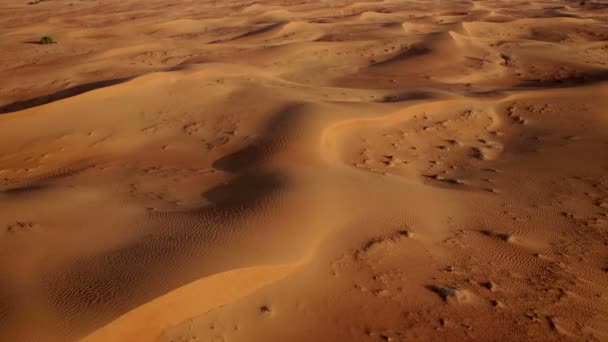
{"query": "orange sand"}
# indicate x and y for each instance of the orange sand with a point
(304, 170)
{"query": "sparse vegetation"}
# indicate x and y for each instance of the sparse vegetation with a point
(506, 57)
(47, 40)
(449, 293)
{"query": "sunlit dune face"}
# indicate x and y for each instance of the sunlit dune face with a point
(303, 170)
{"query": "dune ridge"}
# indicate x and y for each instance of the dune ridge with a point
(304, 170)
(186, 302)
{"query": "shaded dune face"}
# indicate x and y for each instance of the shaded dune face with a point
(304, 170)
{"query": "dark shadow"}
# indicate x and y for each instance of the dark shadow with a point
(476, 59)
(589, 78)
(275, 131)
(592, 78)
(60, 95)
(239, 160)
(254, 32)
(453, 13)
(411, 52)
(594, 5)
(246, 189)
(556, 13)
(251, 185)
(408, 96)
(23, 189)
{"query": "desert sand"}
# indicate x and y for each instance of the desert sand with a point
(310, 170)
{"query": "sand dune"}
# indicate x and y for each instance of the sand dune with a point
(304, 170)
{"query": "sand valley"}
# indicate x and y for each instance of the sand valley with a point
(304, 170)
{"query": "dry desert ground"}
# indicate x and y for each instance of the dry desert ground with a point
(303, 170)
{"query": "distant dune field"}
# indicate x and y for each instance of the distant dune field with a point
(303, 170)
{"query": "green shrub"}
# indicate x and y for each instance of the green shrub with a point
(506, 57)
(47, 40)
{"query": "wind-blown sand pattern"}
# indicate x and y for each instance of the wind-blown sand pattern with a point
(304, 170)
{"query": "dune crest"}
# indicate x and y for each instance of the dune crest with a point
(148, 321)
(303, 170)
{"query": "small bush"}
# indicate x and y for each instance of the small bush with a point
(506, 57)
(47, 40)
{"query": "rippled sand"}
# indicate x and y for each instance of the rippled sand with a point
(304, 170)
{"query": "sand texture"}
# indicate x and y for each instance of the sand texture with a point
(304, 170)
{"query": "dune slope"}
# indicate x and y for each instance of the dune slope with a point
(304, 170)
